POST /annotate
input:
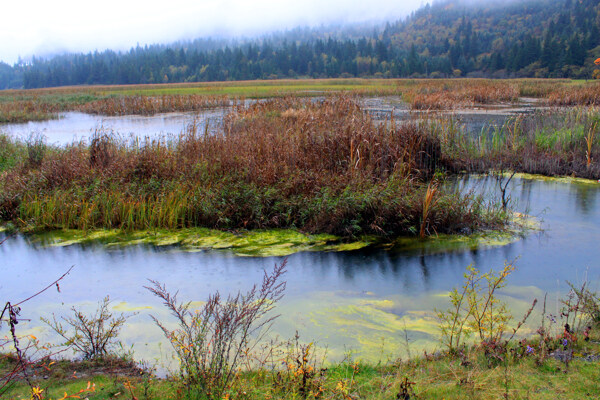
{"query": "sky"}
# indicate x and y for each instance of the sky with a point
(43, 27)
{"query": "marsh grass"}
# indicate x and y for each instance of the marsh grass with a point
(421, 94)
(447, 95)
(322, 167)
(150, 105)
(555, 142)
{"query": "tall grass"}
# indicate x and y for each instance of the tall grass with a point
(444, 95)
(317, 166)
(150, 105)
(548, 142)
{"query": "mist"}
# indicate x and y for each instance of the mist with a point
(42, 28)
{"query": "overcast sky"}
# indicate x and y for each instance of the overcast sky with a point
(46, 26)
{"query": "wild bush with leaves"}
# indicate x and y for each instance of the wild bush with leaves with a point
(476, 309)
(211, 342)
(95, 336)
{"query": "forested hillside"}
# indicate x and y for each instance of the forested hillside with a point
(536, 38)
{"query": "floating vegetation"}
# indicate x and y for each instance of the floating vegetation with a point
(277, 242)
(258, 243)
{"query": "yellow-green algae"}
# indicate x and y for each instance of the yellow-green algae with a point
(279, 242)
(519, 225)
(560, 179)
(261, 243)
(374, 328)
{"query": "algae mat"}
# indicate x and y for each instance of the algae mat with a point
(278, 242)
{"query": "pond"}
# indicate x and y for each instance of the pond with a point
(364, 302)
(75, 126)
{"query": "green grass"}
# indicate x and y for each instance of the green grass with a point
(449, 377)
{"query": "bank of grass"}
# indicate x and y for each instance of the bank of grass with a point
(470, 375)
(318, 167)
(553, 142)
(420, 94)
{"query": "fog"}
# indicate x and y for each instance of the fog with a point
(42, 27)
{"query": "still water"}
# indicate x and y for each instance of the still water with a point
(73, 127)
(361, 302)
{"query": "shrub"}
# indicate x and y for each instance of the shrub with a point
(95, 336)
(475, 309)
(211, 342)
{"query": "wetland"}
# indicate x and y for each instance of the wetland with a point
(377, 199)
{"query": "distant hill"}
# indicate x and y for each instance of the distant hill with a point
(535, 38)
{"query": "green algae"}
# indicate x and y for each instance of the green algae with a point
(558, 179)
(278, 242)
(519, 225)
(375, 327)
(268, 243)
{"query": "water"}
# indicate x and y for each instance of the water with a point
(361, 301)
(75, 126)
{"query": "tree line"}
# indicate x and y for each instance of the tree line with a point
(537, 38)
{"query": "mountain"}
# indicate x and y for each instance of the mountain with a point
(511, 38)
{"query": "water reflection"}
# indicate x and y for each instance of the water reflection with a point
(75, 126)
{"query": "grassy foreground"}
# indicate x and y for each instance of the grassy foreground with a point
(442, 378)
(548, 365)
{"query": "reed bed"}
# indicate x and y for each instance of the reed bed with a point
(26, 110)
(588, 95)
(555, 142)
(150, 105)
(468, 93)
(321, 167)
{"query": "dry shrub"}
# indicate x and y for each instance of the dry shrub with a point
(211, 342)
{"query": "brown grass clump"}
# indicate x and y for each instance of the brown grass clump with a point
(588, 95)
(447, 95)
(150, 105)
(26, 110)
